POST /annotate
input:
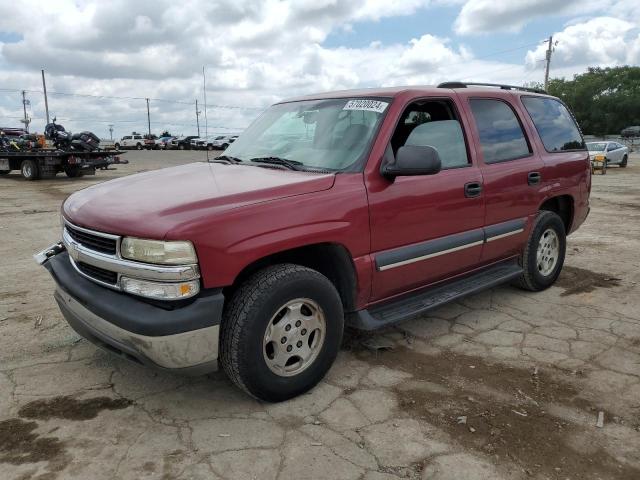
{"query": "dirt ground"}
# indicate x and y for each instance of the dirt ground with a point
(502, 385)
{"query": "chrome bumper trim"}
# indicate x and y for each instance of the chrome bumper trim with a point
(121, 266)
(180, 351)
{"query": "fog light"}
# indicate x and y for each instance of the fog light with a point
(159, 290)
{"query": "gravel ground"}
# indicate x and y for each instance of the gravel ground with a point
(502, 385)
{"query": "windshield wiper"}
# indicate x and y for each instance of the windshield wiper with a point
(290, 164)
(226, 159)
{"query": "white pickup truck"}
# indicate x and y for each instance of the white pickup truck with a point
(134, 140)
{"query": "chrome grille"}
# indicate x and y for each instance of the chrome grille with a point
(92, 241)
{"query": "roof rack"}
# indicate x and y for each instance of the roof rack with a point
(482, 84)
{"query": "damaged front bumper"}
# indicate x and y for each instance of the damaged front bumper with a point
(182, 337)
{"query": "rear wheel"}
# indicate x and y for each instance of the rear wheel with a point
(181, 147)
(623, 164)
(544, 252)
(117, 146)
(29, 170)
(281, 332)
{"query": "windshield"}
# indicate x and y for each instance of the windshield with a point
(323, 134)
(596, 147)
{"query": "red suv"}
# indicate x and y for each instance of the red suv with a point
(361, 208)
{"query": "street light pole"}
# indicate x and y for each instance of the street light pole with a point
(111, 131)
(24, 108)
(548, 62)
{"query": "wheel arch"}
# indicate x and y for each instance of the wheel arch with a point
(563, 206)
(332, 260)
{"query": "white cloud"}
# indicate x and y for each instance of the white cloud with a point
(603, 41)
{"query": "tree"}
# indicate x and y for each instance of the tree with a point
(165, 134)
(604, 100)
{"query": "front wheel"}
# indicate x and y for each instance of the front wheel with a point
(181, 147)
(117, 146)
(623, 164)
(544, 253)
(281, 332)
(139, 146)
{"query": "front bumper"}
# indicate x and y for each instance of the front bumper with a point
(184, 338)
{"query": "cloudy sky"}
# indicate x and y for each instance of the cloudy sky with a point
(258, 52)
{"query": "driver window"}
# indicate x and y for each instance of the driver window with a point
(433, 123)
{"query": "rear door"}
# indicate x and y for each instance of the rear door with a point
(426, 228)
(512, 172)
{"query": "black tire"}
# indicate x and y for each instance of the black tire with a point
(5, 172)
(30, 170)
(532, 278)
(209, 147)
(225, 146)
(624, 162)
(139, 146)
(249, 313)
(117, 146)
(72, 172)
(181, 147)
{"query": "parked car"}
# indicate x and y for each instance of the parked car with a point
(630, 132)
(196, 143)
(181, 143)
(612, 153)
(364, 208)
(222, 142)
(161, 143)
(135, 140)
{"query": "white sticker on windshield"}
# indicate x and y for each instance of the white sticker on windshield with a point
(368, 105)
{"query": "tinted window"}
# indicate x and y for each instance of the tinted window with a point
(501, 135)
(554, 123)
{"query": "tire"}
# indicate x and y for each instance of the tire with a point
(225, 146)
(117, 146)
(605, 165)
(209, 147)
(29, 170)
(624, 162)
(139, 146)
(72, 172)
(534, 278)
(181, 147)
(251, 316)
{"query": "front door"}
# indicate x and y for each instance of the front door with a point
(426, 228)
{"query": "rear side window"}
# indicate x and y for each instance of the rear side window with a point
(554, 124)
(501, 135)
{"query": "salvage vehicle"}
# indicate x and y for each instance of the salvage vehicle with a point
(47, 163)
(135, 140)
(362, 208)
(608, 153)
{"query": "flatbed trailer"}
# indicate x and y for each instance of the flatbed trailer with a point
(47, 163)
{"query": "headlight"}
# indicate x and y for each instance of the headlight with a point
(158, 290)
(156, 251)
(600, 158)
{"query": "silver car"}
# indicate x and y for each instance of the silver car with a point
(614, 153)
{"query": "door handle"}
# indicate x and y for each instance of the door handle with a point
(534, 178)
(472, 189)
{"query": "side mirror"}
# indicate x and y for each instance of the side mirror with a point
(414, 160)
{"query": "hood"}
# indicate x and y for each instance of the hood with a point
(152, 203)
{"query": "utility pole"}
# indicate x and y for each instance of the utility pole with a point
(148, 118)
(197, 117)
(548, 62)
(111, 131)
(204, 91)
(46, 102)
(26, 120)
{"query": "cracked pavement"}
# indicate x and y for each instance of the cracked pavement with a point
(501, 385)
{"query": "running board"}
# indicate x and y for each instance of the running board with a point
(418, 303)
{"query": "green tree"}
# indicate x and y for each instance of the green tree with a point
(604, 100)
